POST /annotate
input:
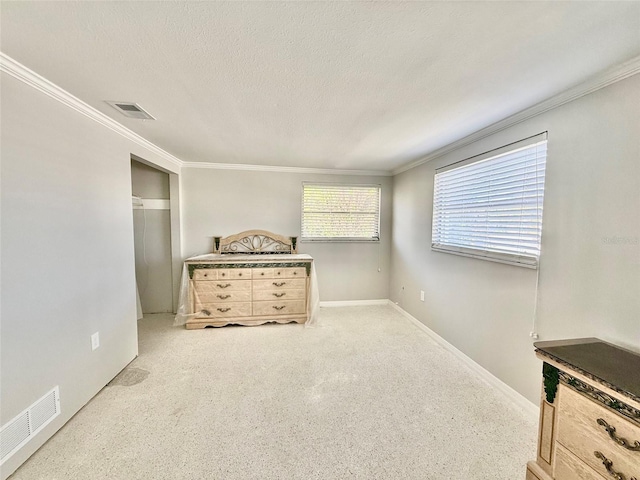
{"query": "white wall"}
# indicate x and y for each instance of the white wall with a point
(589, 284)
(152, 239)
(224, 202)
(67, 255)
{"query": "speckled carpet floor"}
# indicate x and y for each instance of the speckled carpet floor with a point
(364, 395)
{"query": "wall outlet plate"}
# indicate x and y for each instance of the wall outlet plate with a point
(422, 295)
(95, 340)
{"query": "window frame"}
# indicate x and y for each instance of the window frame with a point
(522, 259)
(304, 239)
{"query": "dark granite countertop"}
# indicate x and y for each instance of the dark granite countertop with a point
(611, 365)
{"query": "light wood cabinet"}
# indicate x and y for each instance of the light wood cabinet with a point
(589, 412)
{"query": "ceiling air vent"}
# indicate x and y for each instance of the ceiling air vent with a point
(131, 110)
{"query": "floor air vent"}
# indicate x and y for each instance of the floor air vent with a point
(27, 424)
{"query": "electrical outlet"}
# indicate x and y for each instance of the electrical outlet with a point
(422, 295)
(95, 340)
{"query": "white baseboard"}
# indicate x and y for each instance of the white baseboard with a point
(519, 400)
(354, 303)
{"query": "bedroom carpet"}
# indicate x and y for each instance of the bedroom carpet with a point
(364, 395)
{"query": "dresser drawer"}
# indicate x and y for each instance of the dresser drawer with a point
(290, 272)
(205, 274)
(221, 295)
(279, 284)
(222, 286)
(225, 310)
(285, 307)
(570, 467)
(234, 274)
(258, 273)
(284, 272)
(580, 432)
(279, 294)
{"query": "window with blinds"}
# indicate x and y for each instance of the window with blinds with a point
(340, 212)
(491, 207)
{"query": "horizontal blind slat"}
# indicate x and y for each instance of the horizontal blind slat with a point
(484, 175)
(443, 185)
(534, 152)
(532, 177)
(493, 167)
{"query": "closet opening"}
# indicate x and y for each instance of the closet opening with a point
(154, 236)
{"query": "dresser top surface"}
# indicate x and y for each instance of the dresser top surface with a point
(600, 360)
(250, 257)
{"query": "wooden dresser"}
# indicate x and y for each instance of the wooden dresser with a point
(589, 412)
(252, 278)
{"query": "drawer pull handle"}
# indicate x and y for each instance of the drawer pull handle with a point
(608, 464)
(611, 430)
(223, 297)
(279, 294)
(223, 309)
(223, 286)
(278, 307)
(279, 284)
(295, 273)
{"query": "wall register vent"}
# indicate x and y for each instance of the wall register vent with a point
(15, 434)
(131, 110)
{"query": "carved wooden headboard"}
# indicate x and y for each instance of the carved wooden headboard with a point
(255, 242)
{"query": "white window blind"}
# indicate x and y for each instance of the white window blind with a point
(492, 207)
(340, 212)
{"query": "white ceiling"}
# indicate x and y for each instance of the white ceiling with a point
(347, 85)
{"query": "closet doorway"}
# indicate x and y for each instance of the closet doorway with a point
(152, 238)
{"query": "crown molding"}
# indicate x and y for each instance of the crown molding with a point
(281, 169)
(601, 80)
(31, 78)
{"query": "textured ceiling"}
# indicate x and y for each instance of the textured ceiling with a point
(349, 85)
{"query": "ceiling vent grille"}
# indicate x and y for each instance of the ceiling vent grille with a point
(131, 110)
(28, 423)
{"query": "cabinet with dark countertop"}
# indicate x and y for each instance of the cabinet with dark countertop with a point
(589, 412)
